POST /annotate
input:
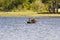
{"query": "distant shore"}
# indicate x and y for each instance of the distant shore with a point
(25, 14)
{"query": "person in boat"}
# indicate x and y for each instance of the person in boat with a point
(31, 20)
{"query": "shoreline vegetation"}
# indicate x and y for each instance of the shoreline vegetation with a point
(28, 14)
(29, 7)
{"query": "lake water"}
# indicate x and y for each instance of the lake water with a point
(16, 28)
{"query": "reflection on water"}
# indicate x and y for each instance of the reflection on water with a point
(16, 28)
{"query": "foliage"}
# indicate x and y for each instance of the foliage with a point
(9, 5)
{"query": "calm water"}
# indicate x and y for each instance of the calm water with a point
(16, 28)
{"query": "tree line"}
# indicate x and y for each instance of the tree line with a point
(8, 5)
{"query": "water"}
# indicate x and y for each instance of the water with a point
(16, 28)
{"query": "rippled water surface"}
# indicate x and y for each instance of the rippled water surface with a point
(16, 28)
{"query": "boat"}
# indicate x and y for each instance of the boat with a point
(31, 20)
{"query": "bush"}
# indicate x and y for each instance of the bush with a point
(7, 5)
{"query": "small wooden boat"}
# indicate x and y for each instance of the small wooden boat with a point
(31, 20)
